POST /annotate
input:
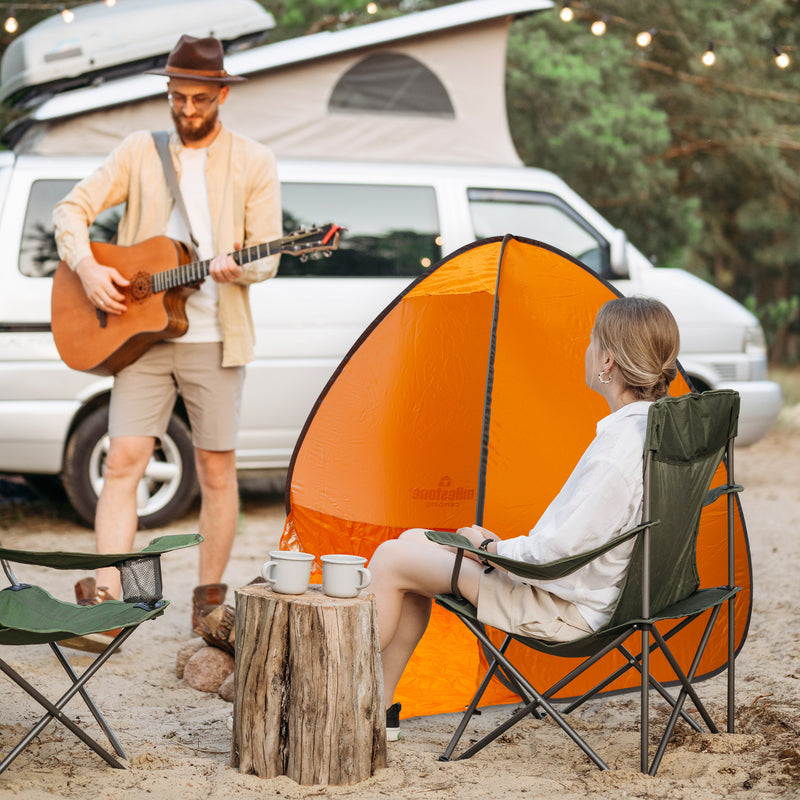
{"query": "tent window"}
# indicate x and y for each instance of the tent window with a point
(391, 83)
(391, 230)
(540, 216)
(38, 257)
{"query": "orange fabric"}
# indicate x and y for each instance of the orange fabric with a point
(395, 443)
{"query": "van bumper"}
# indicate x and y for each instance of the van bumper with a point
(760, 405)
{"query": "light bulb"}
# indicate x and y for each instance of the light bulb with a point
(11, 25)
(111, 3)
(599, 27)
(566, 13)
(372, 8)
(708, 57)
(781, 59)
(67, 15)
(644, 38)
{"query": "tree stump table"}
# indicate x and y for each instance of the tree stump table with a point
(309, 688)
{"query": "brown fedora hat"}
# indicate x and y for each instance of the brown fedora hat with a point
(197, 60)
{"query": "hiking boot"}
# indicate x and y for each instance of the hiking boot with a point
(205, 598)
(393, 723)
(88, 593)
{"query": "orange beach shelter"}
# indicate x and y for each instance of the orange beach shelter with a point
(398, 440)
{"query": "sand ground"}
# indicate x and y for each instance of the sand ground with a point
(178, 743)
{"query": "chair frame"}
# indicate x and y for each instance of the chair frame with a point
(540, 704)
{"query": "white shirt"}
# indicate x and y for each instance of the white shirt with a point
(202, 306)
(602, 498)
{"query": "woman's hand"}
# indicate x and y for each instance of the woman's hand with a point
(477, 535)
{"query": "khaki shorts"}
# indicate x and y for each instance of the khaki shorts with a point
(526, 610)
(144, 394)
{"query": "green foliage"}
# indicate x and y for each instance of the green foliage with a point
(776, 316)
(575, 108)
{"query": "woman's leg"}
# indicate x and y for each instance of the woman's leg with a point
(406, 573)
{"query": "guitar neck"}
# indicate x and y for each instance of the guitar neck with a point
(196, 271)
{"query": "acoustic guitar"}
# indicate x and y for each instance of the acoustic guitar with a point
(90, 340)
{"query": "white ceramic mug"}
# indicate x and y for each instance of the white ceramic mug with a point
(287, 571)
(344, 575)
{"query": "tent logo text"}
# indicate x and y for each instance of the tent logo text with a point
(445, 494)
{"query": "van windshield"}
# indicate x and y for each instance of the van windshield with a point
(540, 216)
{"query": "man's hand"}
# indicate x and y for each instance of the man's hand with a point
(223, 269)
(100, 284)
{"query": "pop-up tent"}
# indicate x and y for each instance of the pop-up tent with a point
(396, 439)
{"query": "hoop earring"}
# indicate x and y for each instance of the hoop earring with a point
(600, 377)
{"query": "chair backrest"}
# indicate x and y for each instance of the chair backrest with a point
(686, 439)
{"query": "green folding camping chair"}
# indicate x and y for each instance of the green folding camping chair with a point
(30, 615)
(687, 438)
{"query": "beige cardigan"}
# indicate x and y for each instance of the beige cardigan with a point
(245, 204)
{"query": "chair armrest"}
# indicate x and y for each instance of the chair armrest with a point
(714, 494)
(59, 559)
(543, 572)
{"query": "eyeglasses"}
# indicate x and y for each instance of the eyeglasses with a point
(202, 102)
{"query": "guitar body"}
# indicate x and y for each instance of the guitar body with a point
(91, 341)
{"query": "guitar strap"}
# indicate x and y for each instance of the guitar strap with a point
(161, 139)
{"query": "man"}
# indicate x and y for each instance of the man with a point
(232, 194)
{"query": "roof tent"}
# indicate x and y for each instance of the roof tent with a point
(428, 86)
(102, 43)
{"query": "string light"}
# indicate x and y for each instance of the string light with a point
(645, 38)
(599, 26)
(11, 25)
(781, 59)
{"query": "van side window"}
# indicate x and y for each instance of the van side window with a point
(391, 230)
(540, 216)
(391, 83)
(38, 257)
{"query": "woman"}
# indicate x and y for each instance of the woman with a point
(630, 361)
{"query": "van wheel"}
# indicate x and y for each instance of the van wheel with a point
(165, 492)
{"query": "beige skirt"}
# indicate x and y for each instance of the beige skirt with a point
(526, 610)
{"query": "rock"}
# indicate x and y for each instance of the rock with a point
(185, 652)
(207, 669)
(227, 690)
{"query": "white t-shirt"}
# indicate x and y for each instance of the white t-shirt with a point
(202, 306)
(602, 498)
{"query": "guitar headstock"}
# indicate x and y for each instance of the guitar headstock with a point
(319, 239)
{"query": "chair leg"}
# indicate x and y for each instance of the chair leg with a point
(644, 721)
(91, 705)
(537, 699)
(731, 706)
(470, 710)
(687, 690)
(54, 710)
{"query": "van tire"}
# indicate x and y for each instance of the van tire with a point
(165, 493)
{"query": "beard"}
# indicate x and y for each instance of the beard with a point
(194, 129)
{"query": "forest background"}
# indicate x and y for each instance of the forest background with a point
(699, 164)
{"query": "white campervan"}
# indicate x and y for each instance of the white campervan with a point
(401, 217)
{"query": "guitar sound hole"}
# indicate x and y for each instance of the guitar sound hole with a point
(140, 287)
